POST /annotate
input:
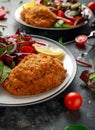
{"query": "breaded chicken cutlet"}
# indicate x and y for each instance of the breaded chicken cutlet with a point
(35, 74)
(39, 16)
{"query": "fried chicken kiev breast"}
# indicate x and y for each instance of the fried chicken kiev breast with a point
(35, 74)
(39, 16)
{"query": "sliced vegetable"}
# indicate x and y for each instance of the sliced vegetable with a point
(27, 49)
(12, 47)
(59, 24)
(81, 40)
(75, 6)
(73, 100)
(29, 4)
(65, 20)
(52, 51)
(8, 60)
(71, 13)
(60, 13)
(2, 13)
(67, 5)
(78, 20)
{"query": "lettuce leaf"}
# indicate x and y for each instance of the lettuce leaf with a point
(4, 72)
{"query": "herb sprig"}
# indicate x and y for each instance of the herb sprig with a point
(92, 76)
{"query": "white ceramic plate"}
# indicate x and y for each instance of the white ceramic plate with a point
(18, 19)
(7, 99)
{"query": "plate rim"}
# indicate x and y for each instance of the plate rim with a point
(60, 90)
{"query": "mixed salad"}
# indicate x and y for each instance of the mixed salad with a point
(15, 47)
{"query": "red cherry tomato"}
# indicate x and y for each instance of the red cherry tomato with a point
(60, 13)
(2, 13)
(81, 39)
(27, 49)
(91, 5)
(73, 100)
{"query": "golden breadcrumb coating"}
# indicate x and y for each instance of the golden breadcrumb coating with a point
(35, 74)
(39, 16)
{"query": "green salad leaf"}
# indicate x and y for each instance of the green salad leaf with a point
(92, 76)
(75, 127)
(4, 72)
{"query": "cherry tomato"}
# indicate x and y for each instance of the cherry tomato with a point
(27, 49)
(60, 13)
(73, 100)
(81, 39)
(91, 5)
(2, 13)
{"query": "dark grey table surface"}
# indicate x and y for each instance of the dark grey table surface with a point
(52, 114)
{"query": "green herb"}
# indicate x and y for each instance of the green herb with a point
(75, 127)
(92, 76)
(1, 33)
(20, 38)
(4, 72)
(2, 48)
(20, 2)
(60, 41)
(65, 25)
(47, 2)
(10, 47)
(61, 24)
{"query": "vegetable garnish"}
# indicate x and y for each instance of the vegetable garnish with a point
(27, 49)
(81, 40)
(73, 101)
(92, 76)
(2, 13)
(51, 51)
(75, 127)
(29, 4)
(4, 72)
(89, 77)
(84, 63)
(60, 41)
